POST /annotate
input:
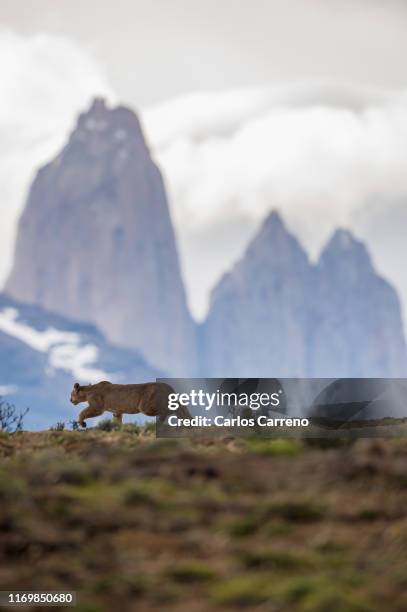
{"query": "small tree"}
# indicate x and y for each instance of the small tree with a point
(11, 420)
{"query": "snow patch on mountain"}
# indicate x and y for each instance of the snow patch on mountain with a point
(65, 349)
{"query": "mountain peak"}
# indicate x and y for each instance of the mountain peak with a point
(98, 104)
(273, 225)
(97, 110)
(343, 239)
(274, 243)
(274, 219)
(343, 247)
(102, 128)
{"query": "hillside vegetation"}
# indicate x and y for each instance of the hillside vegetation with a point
(128, 520)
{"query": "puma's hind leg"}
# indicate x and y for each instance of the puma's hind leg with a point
(118, 419)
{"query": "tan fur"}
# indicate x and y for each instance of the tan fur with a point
(150, 399)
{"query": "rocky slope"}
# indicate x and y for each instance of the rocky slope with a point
(42, 355)
(96, 243)
(277, 314)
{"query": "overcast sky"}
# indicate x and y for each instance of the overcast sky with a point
(248, 105)
(155, 49)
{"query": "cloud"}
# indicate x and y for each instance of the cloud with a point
(206, 114)
(46, 80)
(316, 151)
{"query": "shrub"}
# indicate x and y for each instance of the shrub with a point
(132, 428)
(327, 442)
(138, 493)
(59, 426)
(277, 560)
(11, 420)
(187, 572)
(244, 526)
(242, 591)
(107, 425)
(301, 511)
(150, 427)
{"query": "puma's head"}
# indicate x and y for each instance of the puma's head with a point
(78, 394)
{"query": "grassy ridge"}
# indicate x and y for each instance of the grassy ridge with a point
(175, 525)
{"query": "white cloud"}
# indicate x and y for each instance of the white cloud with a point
(8, 390)
(46, 80)
(216, 113)
(317, 152)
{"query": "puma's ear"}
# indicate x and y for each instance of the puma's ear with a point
(76, 386)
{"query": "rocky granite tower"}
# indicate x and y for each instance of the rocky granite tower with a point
(96, 242)
(359, 331)
(259, 312)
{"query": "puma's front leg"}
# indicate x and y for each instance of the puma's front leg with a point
(118, 419)
(88, 413)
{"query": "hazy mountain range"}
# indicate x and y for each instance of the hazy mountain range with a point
(96, 245)
(277, 313)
